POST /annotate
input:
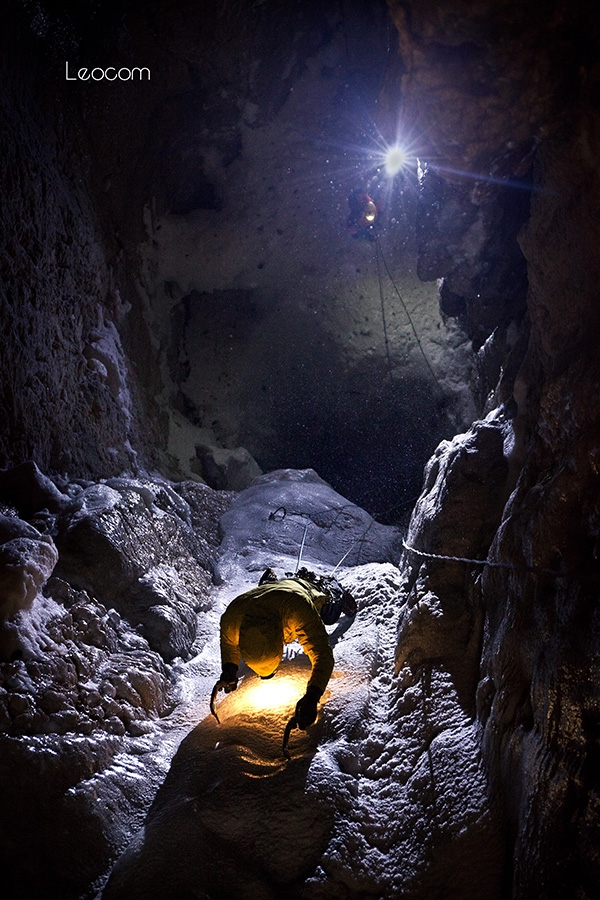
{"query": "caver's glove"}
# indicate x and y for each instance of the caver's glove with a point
(228, 680)
(306, 707)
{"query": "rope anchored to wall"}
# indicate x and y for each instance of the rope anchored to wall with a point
(484, 562)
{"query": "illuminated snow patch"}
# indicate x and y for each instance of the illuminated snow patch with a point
(275, 694)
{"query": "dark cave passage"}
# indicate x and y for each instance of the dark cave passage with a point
(279, 383)
(371, 451)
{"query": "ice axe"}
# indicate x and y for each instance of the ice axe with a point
(213, 698)
(286, 736)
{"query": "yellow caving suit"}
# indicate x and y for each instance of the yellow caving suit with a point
(296, 604)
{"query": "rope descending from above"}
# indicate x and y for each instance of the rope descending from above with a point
(383, 319)
(484, 562)
(378, 253)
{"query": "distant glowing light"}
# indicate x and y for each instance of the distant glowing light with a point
(370, 211)
(397, 153)
(395, 160)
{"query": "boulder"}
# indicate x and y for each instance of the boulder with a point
(132, 546)
(25, 565)
(288, 509)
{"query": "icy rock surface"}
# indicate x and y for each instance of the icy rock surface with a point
(444, 616)
(25, 565)
(290, 509)
(82, 693)
(114, 546)
(383, 797)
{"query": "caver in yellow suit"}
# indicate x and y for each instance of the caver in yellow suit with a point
(256, 625)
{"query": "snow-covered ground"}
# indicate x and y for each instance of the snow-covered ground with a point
(383, 797)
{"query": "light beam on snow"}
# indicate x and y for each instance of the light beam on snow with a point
(276, 694)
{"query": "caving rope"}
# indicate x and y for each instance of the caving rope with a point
(383, 319)
(279, 514)
(301, 549)
(485, 562)
(379, 255)
(293, 722)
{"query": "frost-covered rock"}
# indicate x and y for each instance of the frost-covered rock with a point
(78, 666)
(83, 694)
(384, 797)
(26, 563)
(290, 509)
(443, 616)
(81, 689)
(132, 545)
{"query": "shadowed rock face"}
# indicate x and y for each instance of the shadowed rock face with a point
(113, 546)
(528, 77)
(103, 585)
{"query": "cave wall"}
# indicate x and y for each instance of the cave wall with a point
(547, 732)
(484, 79)
(68, 399)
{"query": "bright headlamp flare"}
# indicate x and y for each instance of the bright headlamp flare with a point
(395, 160)
(399, 155)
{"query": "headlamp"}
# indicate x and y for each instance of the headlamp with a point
(395, 159)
